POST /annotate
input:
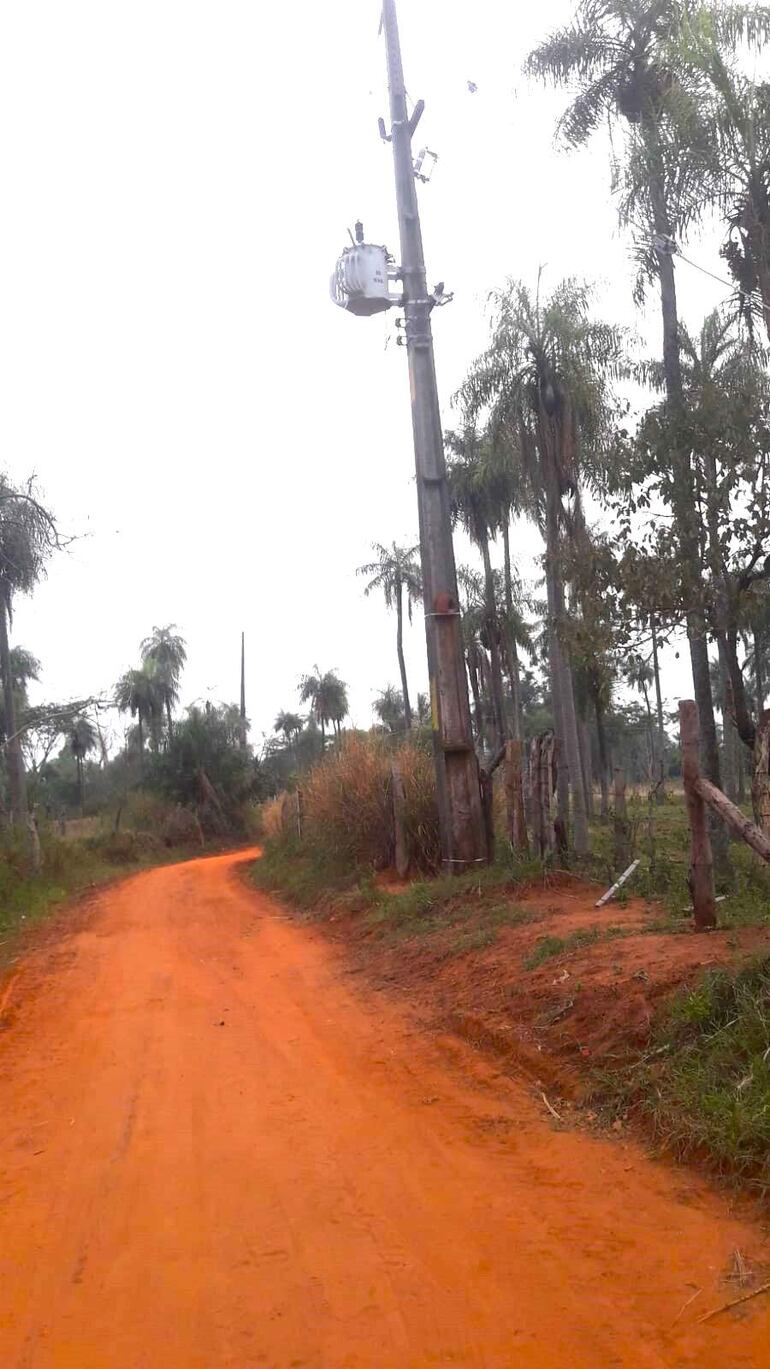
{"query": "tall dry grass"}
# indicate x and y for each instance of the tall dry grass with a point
(347, 805)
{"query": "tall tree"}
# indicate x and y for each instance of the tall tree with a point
(166, 650)
(28, 535)
(544, 380)
(470, 477)
(81, 740)
(630, 60)
(137, 693)
(328, 698)
(396, 572)
(389, 707)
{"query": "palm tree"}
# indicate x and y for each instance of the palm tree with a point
(396, 572)
(137, 693)
(728, 396)
(82, 739)
(470, 484)
(167, 651)
(739, 122)
(544, 381)
(327, 695)
(27, 537)
(389, 707)
(289, 724)
(632, 61)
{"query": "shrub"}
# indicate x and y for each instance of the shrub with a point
(347, 806)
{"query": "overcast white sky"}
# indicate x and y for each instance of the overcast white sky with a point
(178, 179)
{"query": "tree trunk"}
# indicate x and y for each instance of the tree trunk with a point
(562, 687)
(661, 775)
(169, 723)
(401, 661)
(17, 783)
(514, 796)
(741, 773)
(759, 675)
(585, 763)
(493, 634)
(513, 651)
(81, 792)
(604, 760)
(701, 877)
(684, 504)
(730, 740)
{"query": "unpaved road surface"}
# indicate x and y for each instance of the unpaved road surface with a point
(218, 1149)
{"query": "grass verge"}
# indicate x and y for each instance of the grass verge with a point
(69, 868)
(703, 1083)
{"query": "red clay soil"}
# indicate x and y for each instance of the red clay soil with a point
(585, 1007)
(218, 1152)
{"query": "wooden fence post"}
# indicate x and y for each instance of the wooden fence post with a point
(620, 819)
(535, 803)
(399, 825)
(701, 861)
(486, 783)
(547, 787)
(760, 779)
(514, 797)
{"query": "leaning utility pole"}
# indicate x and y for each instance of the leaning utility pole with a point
(463, 838)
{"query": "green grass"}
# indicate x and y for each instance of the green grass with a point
(548, 947)
(703, 1083)
(315, 885)
(69, 868)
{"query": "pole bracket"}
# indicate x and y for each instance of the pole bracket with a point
(416, 116)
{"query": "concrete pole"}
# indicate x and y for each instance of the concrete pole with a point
(463, 840)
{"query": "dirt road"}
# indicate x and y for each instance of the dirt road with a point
(217, 1150)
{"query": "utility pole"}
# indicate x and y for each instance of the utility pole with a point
(243, 692)
(463, 838)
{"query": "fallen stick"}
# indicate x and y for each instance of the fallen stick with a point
(552, 1111)
(695, 1295)
(736, 1302)
(605, 898)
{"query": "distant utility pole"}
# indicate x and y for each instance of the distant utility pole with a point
(463, 838)
(243, 691)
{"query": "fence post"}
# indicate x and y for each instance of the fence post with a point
(300, 812)
(514, 796)
(620, 818)
(701, 879)
(547, 786)
(760, 779)
(486, 783)
(535, 802)
(399, 825)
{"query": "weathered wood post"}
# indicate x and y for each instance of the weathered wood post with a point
(701, 878)
(548, 750)
(514, 797)
(398, 796)
(486, 783)
(535, 800)
(760, 780)
(620, 820)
